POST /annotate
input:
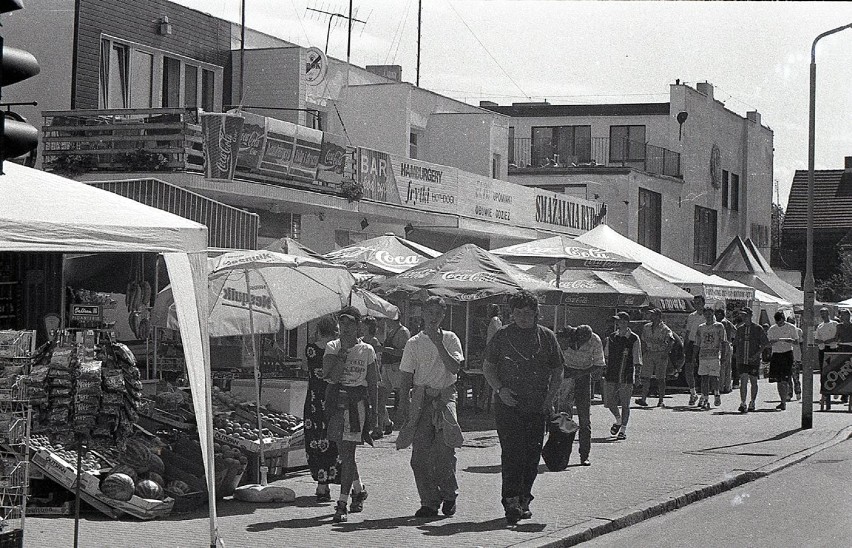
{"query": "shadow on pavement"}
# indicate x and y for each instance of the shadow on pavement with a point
(488, 469)
(292, 523)
(456, 527)
(777, 437)
(386, 523)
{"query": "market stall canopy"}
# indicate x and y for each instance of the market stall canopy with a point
(466, 273)
(43, 212)
(566, 251)
(845, 304)
(662, 294)
(386, 254)
(289, 246)
(741, 261)
(696, 282)
(584, 287)
(764, 302)
(286, 291)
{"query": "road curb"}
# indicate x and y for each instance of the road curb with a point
(595, 527)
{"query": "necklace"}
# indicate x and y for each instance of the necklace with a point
(534, 351)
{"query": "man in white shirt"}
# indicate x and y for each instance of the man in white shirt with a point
(826, 334)
(782, 336)
(430, 364)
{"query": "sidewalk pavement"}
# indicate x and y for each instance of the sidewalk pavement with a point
(673, 456)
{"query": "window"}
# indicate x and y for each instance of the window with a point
(115, 75)
(495, 166)
(562, 144)
(171, 82)
(725, 182)
(141, 79)
(137, 76)
(704, 249)
(650, 219)
(627, 143)
(735, 192)
(512, 146)
(412, 145)
(208, 87)
(190, 86)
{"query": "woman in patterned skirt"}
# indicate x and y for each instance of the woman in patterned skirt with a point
(323, 459)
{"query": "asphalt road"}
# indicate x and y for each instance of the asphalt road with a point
(808, 504)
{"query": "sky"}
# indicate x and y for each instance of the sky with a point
(756, 55)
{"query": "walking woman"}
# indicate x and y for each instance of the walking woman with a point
(322, 453)
(349, 365)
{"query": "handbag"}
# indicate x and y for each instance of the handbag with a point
(560, 438)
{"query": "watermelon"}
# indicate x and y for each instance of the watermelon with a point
(178, 487)
(118, 487)
(137, 455)
(125, 469)
(155, 464)
(148, 489)
(155, 477)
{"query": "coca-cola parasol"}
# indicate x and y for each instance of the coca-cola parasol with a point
(599, 288)
(465, 274)
(567, 252)
(386, 254)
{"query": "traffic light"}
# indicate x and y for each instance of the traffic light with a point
(16, 136)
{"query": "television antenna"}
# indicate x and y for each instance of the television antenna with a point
(336, 18)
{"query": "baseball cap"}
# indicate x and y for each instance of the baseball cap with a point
(746, 310)
(351, 312)
(622, 316)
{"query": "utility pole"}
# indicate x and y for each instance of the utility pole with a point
(242, 48)
(419, 22)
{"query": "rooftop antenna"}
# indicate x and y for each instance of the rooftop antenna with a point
(335, 17)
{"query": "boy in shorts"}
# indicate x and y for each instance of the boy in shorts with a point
(710, 339)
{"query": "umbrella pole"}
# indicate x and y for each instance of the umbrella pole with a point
(262, 465)
(466, 328)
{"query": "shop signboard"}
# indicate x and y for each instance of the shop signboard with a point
(376, 176)
(86, 312)
(332, 160)
(425, 186)
(221, 136)
(278, 148)
(562, 212)
(252, 140)
(836, 377)
(306, 154)
(493, 200)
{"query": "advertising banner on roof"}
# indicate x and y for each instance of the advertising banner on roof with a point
(493, 200)
(221, 133)
(252, 140)
(332, 160)
(306, 154)
(426, 186)
(278, 147)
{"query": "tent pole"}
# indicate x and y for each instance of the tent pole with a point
(466, 328)
(261, 469)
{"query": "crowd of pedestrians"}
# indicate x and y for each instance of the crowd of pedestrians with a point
(536, 377)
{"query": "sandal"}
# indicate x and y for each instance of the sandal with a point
(614, 428)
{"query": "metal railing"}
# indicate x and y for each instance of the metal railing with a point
(600, 151)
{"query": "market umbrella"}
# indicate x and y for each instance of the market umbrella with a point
(370, 304)
(386, 254)
(465, 274)
(565, 252)
(594, 287)
(289, 246)
(254, 292)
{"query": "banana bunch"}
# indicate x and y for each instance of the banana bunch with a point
(137, 296)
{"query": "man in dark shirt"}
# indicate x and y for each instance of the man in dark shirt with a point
(749, 343)
(524, 366)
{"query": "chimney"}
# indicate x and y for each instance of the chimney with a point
(848, 163)
(487, 104)
(706, 88)
(753, 116)
(391, 72)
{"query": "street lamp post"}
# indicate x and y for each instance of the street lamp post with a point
(810, 349)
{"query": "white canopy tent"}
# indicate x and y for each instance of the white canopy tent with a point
(713, 288)
(42, 212)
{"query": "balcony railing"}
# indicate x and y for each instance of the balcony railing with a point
(164, 139)
(601, 152)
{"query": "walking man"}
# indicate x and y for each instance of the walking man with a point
(783, 336)
(657, 341)
(826, 338)
(396, 337)
(623, 352)
(749, 344)
(694, 319)
(710, 340)
(584, 357)
(430, 364)
(523, 365)
(725, 379)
